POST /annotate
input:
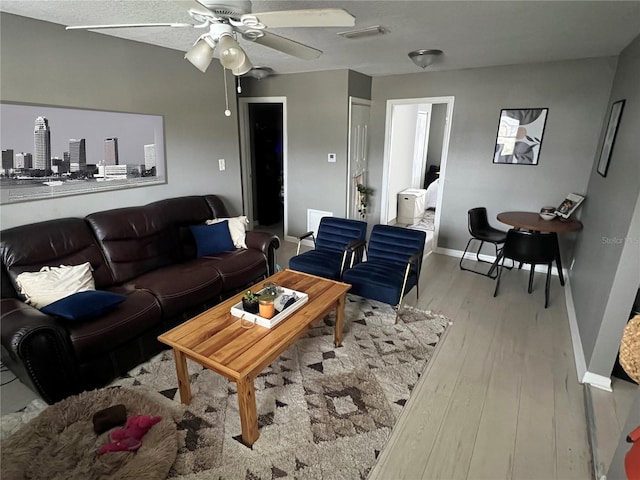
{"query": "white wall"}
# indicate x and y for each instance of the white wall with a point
(41, 63)
(401, 153)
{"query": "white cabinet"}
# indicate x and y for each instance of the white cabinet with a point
(411, 206)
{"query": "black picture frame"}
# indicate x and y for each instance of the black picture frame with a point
(611, 132)
(519, 136)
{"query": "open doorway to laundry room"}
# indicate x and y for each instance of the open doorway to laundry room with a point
(414, 169)
(264, 162)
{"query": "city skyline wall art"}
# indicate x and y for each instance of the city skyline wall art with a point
(51, 151)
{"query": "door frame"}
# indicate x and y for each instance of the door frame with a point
(353, 101)
(384, 194)
(245, 155)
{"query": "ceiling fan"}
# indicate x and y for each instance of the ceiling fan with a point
(226, 20)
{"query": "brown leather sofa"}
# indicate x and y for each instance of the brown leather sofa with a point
(146, 253)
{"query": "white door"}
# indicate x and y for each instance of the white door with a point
(359, 113)
(421, 146)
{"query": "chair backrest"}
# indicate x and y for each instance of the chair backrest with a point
(335, 233)
(394, 244)
(478, 220)
(530, 247)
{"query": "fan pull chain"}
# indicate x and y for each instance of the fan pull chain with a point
(227, 112)
(239, 87)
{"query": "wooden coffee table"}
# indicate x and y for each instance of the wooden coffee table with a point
(216, 340)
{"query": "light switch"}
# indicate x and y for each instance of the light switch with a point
(221, 164)
(332, 157)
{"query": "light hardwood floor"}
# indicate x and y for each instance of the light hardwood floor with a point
(501, 397)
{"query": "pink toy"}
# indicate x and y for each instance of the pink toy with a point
(129, 438)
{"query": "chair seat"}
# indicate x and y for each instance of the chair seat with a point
(317, 262)
(378, 281)
(332, 248)
(490, 235)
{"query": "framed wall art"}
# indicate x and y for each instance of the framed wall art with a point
(610, 137)
(519, 137)
(52, 151)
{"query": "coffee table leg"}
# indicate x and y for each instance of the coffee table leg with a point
(337, 335)
(183, 376)
(248, 411)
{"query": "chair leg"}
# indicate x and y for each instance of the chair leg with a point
(533, 269)
(500, 268)
(546, 289)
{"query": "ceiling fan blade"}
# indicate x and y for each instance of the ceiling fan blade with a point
(288, 46)
(314, 17)
(129, 25)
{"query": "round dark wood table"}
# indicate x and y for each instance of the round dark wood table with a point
(532, 221)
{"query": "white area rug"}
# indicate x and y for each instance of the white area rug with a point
(323, 412)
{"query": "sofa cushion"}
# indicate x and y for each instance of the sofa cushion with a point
(239, 268)
(135, 240)
(212, 239)
(237, 228)
(84, 305)
(67, 241)
(51, 284)
(183, 286)
(92, 338)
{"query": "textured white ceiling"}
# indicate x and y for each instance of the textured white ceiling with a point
(471, 33)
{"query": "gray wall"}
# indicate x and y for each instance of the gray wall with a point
(436, 134)
(605, 276)
(576, 93)
(41, 63)
(317, 124)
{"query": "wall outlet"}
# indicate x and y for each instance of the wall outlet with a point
(221, 164)
(332, 157)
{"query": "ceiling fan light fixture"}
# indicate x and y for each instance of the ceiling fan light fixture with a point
(424, 58)
(244, 68)
(200, 55)
(231, 54)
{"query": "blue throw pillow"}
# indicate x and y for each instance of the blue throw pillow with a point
(212, 239)
(84, 305)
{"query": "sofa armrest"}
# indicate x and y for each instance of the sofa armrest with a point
(36, 348)
(267, 243)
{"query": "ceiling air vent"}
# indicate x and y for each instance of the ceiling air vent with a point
(364, 32)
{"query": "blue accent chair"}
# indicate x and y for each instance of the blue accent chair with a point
(392, 267)
(340, 243)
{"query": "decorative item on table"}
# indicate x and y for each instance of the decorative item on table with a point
(250, 302)
(284, 301)
(271, 288)
(267, 307)
(547, 213)
(569, 205)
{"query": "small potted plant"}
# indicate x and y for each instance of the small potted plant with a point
(250, 302)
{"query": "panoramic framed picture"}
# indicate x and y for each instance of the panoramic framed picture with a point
(50, 151)
(610, 137)
(519, 137)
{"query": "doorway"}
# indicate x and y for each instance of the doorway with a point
(409, 166)
(264, 161)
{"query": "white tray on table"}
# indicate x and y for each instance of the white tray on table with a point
(238, 311)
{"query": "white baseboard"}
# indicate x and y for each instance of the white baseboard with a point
(576, 342)
(490, 258)
(597, 381)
